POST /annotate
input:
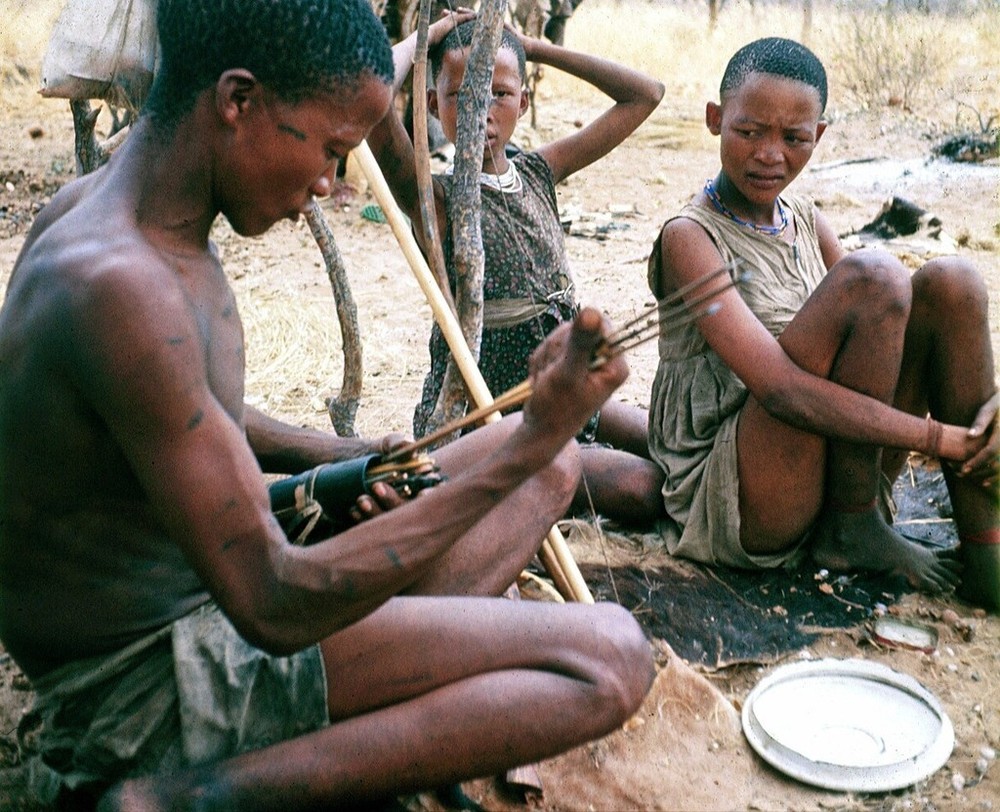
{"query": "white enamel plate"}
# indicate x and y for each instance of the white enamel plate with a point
(847, 725)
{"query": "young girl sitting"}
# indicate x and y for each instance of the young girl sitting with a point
(776, 420)
(528, 287)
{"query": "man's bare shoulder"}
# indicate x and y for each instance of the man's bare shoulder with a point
(84, 251)
(92, 302)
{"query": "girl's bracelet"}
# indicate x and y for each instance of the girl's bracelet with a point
(934, 432)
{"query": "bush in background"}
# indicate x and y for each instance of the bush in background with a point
(890, 57)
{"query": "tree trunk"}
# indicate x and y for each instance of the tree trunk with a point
(713, 14)
(343, 407)
(465, 201)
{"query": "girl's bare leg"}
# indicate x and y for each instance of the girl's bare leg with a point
(431, 691)
(948, 369)
(851, 330)
(624, 427)
(620, 482)
(620, 486)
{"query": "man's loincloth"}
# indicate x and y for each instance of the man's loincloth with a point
(189, 693)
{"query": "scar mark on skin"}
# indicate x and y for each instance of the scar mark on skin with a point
(176, 341)
(301, 136)
(394, 558)
(195, 420)
(348, 589)
(227, 311)
(229, 543)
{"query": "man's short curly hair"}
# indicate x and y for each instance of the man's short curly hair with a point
(775, 56)
(295, 48)
(461, 37)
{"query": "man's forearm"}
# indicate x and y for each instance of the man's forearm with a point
(284, 449)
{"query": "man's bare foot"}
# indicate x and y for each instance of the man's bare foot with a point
(863, 541)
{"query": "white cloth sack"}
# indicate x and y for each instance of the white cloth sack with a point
(102, 49)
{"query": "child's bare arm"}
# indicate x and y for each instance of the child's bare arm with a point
(393, 150)
(635, 95)
(404, 51)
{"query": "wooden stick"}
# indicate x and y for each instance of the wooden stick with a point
(442, 312)
(508, 400)
(464, 200)
(111, 143)
(422, 158)
(554, 546)
(554, 568)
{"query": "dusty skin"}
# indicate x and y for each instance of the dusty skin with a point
(648, 177)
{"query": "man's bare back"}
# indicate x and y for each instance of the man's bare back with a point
(79, 500)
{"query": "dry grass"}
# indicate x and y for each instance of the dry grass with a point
(24, 33)
(287, 373)
(673, 43)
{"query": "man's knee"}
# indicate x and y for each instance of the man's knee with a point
(562, 476)
(875, 280)
(627, 669)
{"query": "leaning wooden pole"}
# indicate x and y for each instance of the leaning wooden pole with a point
(555, 553)
(422, 157)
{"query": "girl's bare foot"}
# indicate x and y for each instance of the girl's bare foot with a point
(864, 541)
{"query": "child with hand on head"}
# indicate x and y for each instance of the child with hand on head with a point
(778, 420)
(528, 287)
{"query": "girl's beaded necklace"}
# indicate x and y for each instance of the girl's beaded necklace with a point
(508, 181)
(771, 231)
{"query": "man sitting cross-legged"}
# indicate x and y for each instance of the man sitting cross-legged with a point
(183, 653)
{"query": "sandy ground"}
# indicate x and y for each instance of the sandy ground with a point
(643, 181)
